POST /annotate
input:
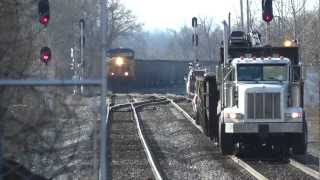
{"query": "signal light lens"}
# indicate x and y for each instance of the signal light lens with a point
(267, 18)
(44, 20)
(45, 54)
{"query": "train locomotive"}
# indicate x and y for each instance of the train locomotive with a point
(121, 64)
(120, 69)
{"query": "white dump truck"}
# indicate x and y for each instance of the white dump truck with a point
(255, 99)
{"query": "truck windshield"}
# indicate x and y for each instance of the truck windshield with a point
(262, 72)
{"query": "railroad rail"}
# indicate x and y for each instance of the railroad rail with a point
(311, 172)
(149, 154)
(130, 107)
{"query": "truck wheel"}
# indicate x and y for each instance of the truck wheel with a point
(300, 141)
(225, 140)
(197, 117)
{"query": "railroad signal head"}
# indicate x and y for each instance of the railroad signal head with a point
(194, 22)
(44, 12)
(45, 55)
(267, 12)
(82, 23)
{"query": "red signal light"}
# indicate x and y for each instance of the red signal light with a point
(44, 20)
(45, 55)
(268, 18)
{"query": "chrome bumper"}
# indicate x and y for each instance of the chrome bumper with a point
(252, 127)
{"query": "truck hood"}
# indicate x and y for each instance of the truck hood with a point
(247, 88)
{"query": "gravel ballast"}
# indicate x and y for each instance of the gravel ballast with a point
(182, 151)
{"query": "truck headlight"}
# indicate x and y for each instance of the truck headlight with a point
(233, 115)
(294, 115)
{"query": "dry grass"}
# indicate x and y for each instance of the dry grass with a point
(313, 119)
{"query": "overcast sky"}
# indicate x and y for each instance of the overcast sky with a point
(162, 14)
(173, 14)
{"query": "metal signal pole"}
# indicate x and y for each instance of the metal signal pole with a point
(248, 17)
(81, 24)
(195, 40)
(241, 10)
(1, 154)
(268, 34)
(229, 23)
(103, 128)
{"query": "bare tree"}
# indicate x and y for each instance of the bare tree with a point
(36, 122)
(121, 22)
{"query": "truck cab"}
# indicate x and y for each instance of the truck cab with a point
(262, 104)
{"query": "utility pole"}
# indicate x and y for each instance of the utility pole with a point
(248, 17)
(241, 10)
(318, 14)
(82, 65)
(103, 128)
(229, 23)
(1, 154)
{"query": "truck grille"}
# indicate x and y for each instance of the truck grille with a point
(263, 106)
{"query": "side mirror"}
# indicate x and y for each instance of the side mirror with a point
(297, 73)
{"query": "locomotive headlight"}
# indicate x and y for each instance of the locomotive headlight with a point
(119, 61)
(126, 74)
(287, 43)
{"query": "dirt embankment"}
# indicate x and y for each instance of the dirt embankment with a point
(51, 134)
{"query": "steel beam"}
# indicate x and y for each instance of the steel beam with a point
(55, 82)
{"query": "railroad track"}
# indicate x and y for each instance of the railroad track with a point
(152, 156)
(129, 154)
(181, 151)
(265, 169)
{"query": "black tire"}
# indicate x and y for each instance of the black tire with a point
(225, 140)
(197, 117)
(300, 141)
